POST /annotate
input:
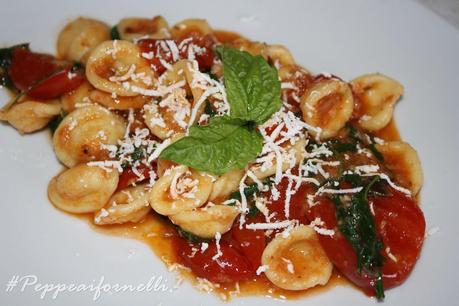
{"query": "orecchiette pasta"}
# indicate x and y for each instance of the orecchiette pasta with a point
(254, 48)
(79, 37)
(279, 55)
(376, 96)
(206, 222)
(136, 28)
(189, 27)
(180, 189)
(298, 261)
(127, 205)
(116, 67)
(170, 116)
(82, 189)
(403, 161)
(294, 152)
(114, 102)
(30, 116)
(80, 136)
(225, 184)
(328, 105)
(79, 96)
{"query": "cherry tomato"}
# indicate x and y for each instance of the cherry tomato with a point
(251, 242)
(400, 225)
(128, 176)
(230, 266)
(57, 84)
(42, 74)
(28, 68)
(298, 203)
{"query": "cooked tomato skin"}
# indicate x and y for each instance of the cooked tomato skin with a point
(41, 75)
(128, 176)
(230, 266)
(400, 225)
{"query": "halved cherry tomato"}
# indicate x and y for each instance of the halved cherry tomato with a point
(400, 225)
(298, 203)
(57, 84)
(230, 266)
(28, 68)
(251, 242)
(42, 75)
(129, 177)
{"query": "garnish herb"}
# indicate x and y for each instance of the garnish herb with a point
(190, 237)
(356, 223)
(114, 33)
(230, 142)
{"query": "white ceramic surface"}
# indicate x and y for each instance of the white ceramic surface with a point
(348, 38)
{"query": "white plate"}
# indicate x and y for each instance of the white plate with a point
(348, 38)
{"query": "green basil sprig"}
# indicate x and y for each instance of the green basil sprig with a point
(230, 142)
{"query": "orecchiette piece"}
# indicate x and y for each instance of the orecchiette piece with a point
(79, 37)
(403, 161)
(206, 222)
(190, 27)
(127, 205)
(83, 132)
(376, 96)
(114, 102)
(80, 96)
(327, 105)
(136, 28)
(180, 189)
(252, 47)
(297, 151)
(279, 55)
(225, 184)
(82, 189)
(297, 262)
(116, 67)
(30, 116)
(170, 116)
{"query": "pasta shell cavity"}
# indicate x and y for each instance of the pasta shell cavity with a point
(190, 27)
(180, 189)
(279, 55)
(30, 116)
(327, 105)
(127, 205)
(206, 222)
(376, 96)
(139, 28)
(298, 261)
(116, 67)
(82, 189)
(79, 37)
(403, 161)
(82, 134)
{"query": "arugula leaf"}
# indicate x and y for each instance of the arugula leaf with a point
(357, 224)
(252, 86)
(222, 145)
(190, 236)
(114, 33)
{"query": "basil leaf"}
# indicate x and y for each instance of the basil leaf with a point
(252, 86)
(222, 145)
